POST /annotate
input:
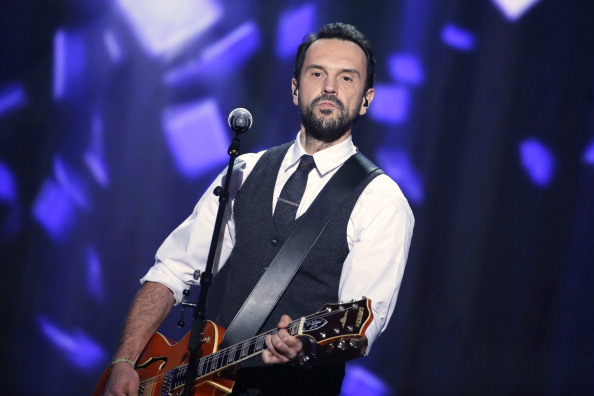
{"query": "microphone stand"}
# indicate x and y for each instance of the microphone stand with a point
(206, 276)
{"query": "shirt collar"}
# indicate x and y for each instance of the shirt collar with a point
(326, 160)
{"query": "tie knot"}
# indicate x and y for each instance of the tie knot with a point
(306, 164)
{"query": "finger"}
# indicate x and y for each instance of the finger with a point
(285, 320)
(272, 353)
(277, 348)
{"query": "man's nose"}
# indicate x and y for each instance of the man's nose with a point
(330, 86)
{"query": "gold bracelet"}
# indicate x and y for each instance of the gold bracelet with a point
(124, 360)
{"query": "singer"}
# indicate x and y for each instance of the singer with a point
(361, 251)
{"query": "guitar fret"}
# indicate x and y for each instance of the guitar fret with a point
(244, 349)
(201, 367)
(260, 342)
(167, 380)
(213, 363)
(178, 378)
(232, 352)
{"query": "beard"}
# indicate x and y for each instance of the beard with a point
(326, 129)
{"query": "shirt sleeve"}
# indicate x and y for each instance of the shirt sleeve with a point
(186, 249)
(379, 235)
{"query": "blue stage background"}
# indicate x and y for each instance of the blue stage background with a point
(113, 123)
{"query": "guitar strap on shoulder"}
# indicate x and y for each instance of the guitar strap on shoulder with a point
(265, 295)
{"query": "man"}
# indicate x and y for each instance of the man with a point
(362, 251)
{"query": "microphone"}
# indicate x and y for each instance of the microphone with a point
(240, 120)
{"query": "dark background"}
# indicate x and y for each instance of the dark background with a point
(493, 145)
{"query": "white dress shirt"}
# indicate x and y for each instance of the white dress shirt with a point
(379, 232)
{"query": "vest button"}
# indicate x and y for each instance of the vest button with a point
(273, 242)
(265, 269)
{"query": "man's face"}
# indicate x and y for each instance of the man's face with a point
(330, 92)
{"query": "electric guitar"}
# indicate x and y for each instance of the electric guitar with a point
(163, 364)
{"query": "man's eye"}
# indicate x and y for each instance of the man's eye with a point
(345, 78)
(316, 74)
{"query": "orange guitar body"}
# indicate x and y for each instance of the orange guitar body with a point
(162, 355)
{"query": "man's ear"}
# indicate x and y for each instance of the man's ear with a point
(295, 91)
(366, 101)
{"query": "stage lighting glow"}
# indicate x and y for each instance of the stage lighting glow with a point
(396, 163)
(93, 157)
(293, 26)
(8, 190)
(12, 97)
(197, 137)
(165, 26)
(54, 210)
(71, 182)
(82, 351)
(538, 162)
(458, 38)
(514, 9)
(69, 63)
(234, 47)
(218, 59)
(360, 382)
(95, 285)
(391, 104)
(114, 49)
(588, 156)
(406, 68)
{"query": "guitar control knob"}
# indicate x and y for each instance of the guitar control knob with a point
(341, 345)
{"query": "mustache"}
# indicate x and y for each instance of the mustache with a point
(328, 98)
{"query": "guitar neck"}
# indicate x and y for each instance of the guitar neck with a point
(236, 353)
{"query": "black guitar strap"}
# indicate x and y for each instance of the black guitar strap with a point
(269, 289)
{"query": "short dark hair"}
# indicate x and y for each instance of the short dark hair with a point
(341, 31)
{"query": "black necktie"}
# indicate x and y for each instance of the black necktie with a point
(290, 197)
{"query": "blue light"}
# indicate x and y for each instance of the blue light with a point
(93, 157)
(197, 137)
(95, 285)
(235, 47)
(78, 348)
(114, 49)
(458, 38)
(8, 191)
(391, 104)
(397, 164)
(71, 183)
(514, 9)
(69, 64)
(537, 161)
(53, 209)
(220, 58)
(588, 156)
(165, 26)
(12, 97)
(293, 26)
(406, 68)
(360, 382)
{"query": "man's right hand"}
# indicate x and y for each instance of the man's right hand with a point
(123, 381)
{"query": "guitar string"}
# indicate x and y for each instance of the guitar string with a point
(252, 341)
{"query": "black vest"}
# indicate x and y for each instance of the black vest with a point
(256, 244)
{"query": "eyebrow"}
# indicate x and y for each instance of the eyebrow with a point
(353, 71)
